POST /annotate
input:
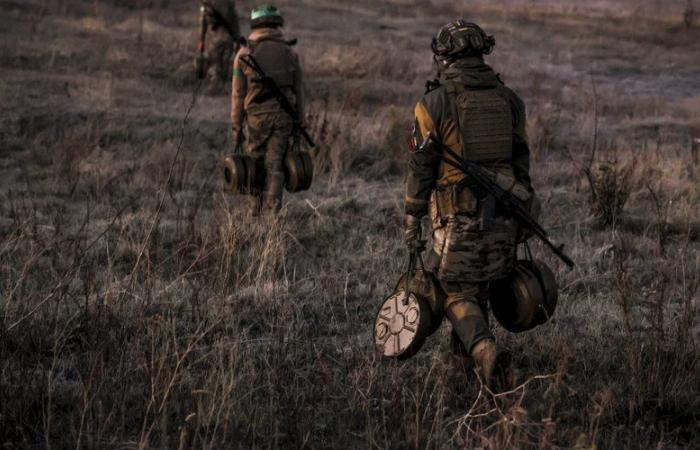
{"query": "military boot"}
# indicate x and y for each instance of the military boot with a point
(215, 83)
(485, 354)
(272, 195)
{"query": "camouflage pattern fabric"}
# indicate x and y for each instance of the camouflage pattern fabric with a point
(247, 94)
(468, 254)
(469, 250)
(466, 308)
(219, 48)
(435, 113)
(227, 10)
(268, 139)
(268, 128)
(219, 42)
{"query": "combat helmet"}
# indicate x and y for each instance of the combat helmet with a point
(266, 15)
(460, 38)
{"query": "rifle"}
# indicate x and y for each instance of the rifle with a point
(271, 86)
(201, 60)
(509, 202)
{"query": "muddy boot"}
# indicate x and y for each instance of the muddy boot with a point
(458, 366)
(274, 190)
(458, 361)
(485, 354)
(215, 84)
(255, 205)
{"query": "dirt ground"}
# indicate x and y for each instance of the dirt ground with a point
(142, 307)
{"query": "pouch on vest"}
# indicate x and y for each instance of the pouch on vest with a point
(453, 200)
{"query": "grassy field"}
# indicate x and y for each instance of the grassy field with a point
(140, 307)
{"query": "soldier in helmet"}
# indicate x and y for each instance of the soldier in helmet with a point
(268, 127)
(471, 111)
(219, 35)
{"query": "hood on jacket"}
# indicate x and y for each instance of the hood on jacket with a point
(471, 72)
(265, 33)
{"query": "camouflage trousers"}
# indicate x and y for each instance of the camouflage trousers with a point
(466, 308)
(219, 48)
(269, 134)
(466, 258)
(469, 254)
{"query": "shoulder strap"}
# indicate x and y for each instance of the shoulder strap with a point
(431, 85)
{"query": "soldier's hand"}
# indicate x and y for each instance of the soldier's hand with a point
(413, 232)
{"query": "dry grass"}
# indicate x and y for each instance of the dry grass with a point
(140, 307)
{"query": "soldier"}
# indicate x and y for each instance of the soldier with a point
(471, 111)
(219, 35)
(269, 128)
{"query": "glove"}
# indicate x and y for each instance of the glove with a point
(535, 209)
(413, 232)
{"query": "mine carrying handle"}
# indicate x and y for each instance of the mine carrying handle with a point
(271, 86)
(414, 259)
(514, 206)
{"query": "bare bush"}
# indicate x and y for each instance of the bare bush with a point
(610, 188)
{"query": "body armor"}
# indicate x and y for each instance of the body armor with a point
(273, 56)
(485, 124)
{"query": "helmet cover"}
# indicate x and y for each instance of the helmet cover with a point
(461, 38)
(266, 15)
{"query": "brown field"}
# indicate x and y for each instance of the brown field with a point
(140, 307)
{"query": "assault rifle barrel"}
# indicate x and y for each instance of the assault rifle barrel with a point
(513, 205)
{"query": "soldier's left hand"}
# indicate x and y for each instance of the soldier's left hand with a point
(413, 232)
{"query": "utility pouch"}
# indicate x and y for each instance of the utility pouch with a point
(453, 200)
(443, 203)
(465, 202)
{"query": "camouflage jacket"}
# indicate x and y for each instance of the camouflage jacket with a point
(491, 131)
(222, 18)
(247, 95)
(434, 113)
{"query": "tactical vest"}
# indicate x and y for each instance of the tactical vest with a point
(485, 128)
(485, 123)
(274, 57)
